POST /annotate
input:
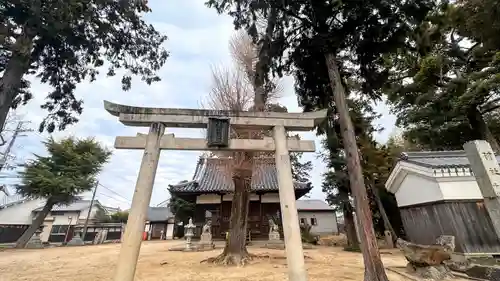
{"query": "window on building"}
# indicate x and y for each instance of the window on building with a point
(314, 221)
(59, 229)
(302, 221)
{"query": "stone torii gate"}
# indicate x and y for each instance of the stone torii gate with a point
(157, 119)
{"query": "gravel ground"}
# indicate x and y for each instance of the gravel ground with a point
(157, 263)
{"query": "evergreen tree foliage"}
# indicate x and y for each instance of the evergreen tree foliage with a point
(64, 43)
(182, 209)
(69, 169)
(445, 84)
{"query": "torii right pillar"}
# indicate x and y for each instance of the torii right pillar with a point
(290, 218)
(486, 170)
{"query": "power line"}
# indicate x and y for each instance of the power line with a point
(115, 193)
(117, 199)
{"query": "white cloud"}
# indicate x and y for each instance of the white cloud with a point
(198, 39)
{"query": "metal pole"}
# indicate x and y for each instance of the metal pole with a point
(67, 231)
(84, 231)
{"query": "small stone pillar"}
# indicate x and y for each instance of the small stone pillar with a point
(76, 240)
(274, 234)
(389, 239)
(484, 165)
(35, 242)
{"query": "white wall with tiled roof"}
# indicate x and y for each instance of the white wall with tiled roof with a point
(428, 177)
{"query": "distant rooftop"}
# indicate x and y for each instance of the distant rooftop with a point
(75, 206)
(313, 205)
(158, 214)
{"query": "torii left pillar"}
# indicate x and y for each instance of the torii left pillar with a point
(131, 243)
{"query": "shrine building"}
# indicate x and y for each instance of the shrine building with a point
(211, 188)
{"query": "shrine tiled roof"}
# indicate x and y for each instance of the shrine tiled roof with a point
(438, 159)
(211, 175)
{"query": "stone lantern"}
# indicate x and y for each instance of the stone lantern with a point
(189, 234)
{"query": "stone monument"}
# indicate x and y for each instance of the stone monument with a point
(206, 236)
(76, 240)
(484, 166)
(389, 241)
(429, 261)
(35, 242)
(274, 234)
(189, 235)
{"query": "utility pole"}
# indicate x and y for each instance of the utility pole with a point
(84, 232)
(6, 153)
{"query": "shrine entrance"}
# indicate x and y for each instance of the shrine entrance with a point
(218, 124)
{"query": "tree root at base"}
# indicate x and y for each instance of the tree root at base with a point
(227, 259)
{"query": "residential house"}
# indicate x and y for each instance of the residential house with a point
(319, 215)
(60, 222)
(17, 213)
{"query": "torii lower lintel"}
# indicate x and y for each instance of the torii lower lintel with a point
(170, 142)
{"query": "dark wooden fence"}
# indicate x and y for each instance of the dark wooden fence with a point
(468, 221)
(10, 233)
(114, 231)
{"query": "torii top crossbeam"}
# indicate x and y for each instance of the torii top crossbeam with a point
(198, 118)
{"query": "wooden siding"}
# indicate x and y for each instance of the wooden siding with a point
(469, 222)
(10, 233)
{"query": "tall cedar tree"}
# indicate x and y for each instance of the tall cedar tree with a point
(364, 31)
(376, 163)
(64, 43)
(367, 30)
(446, 85)
(70, 169)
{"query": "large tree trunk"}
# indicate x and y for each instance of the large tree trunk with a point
(480, 128)
(350, 228)
(262, 65)
(374, 268)
(37, 222)
(10, 82)
(235, 251)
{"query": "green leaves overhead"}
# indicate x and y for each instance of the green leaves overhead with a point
(70, 169)
(68, 42)
(446, 87)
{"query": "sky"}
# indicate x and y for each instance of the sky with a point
(197, 40)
